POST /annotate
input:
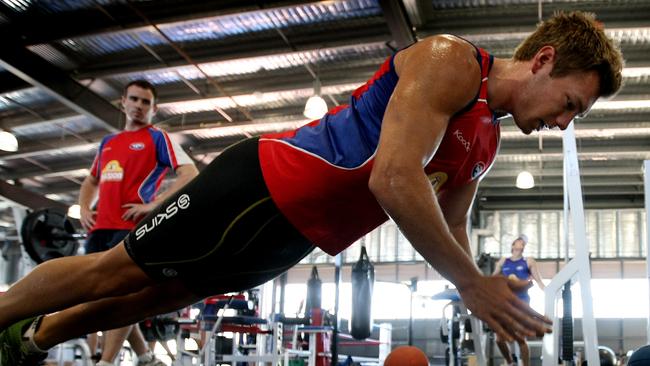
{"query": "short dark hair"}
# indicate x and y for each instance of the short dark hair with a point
(144, 84)
(581, 45)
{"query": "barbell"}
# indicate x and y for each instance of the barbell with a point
(49, 233)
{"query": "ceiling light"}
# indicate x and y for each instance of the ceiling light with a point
(316, 106)
(525, 180)
(8, 141)
(74, 211)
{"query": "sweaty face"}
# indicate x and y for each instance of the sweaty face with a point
(550, 102)
(138, 104)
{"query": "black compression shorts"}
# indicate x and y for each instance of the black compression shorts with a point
(221, 232)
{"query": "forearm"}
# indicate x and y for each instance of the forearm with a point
(188, 173)
(87, 193)
(460, 234)
(411, 202)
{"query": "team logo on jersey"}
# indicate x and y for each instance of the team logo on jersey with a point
(136, 146)
(478, 169)
(112, 172)
(466, 144)
(437, 179)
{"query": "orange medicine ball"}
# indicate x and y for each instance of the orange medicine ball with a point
(406, 356)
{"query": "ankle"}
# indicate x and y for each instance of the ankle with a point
(29, 336)
(146, 357)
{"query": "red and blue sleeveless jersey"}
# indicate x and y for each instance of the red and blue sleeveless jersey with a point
(318, 174)
(130, 165)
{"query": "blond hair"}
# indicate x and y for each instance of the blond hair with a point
(580, 44)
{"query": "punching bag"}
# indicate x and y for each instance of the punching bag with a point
(363, 280)
(314, 291)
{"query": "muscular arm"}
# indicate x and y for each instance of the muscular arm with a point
(87, 193)
(438, 77)
(425, 98)
(455, 206)
(498, 266)
(184, 174)
(534, 273)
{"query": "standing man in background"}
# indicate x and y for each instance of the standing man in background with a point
(521, 268)
(125, 176)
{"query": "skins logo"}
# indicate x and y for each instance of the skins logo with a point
(136, 146)
(182, 203)
(478, 169)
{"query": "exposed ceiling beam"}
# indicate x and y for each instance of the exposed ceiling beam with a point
(26, 197)
(38, 72)
(398, 22)
(236, 47)
(9, 83)
(35, 28)
(524, 17)
(545, 181)
(508, 172)
(556, 203)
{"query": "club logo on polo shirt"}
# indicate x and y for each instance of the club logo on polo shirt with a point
(112, 172)
(136, 146)
(478, 169)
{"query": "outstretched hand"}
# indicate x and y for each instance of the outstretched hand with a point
(493, 300)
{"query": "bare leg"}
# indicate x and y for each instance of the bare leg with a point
(524, 353)
(505, 350)
(114, 340)
(169, 351)
(61, 283)
(92, 340)
(137, 342)
(112, 312)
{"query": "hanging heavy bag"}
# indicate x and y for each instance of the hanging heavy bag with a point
(314, 291)
(363, 280)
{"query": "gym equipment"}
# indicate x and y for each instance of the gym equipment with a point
(49, 233)
(363, 280)
(314, 290)
(646, 189)
(607, 356)
(406, 356)
(578, 267)
(453, 331)
(161, 328)
(640, 357)
(567, 324)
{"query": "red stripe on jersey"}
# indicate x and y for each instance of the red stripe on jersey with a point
(385, 67)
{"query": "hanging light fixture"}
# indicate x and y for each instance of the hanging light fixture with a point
(74, 211)
(316, 106)
(8, 141)
(525, 180)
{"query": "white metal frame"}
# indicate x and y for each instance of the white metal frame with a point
(578, 267)
(646, 180)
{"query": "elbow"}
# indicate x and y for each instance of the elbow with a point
(387, 186)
